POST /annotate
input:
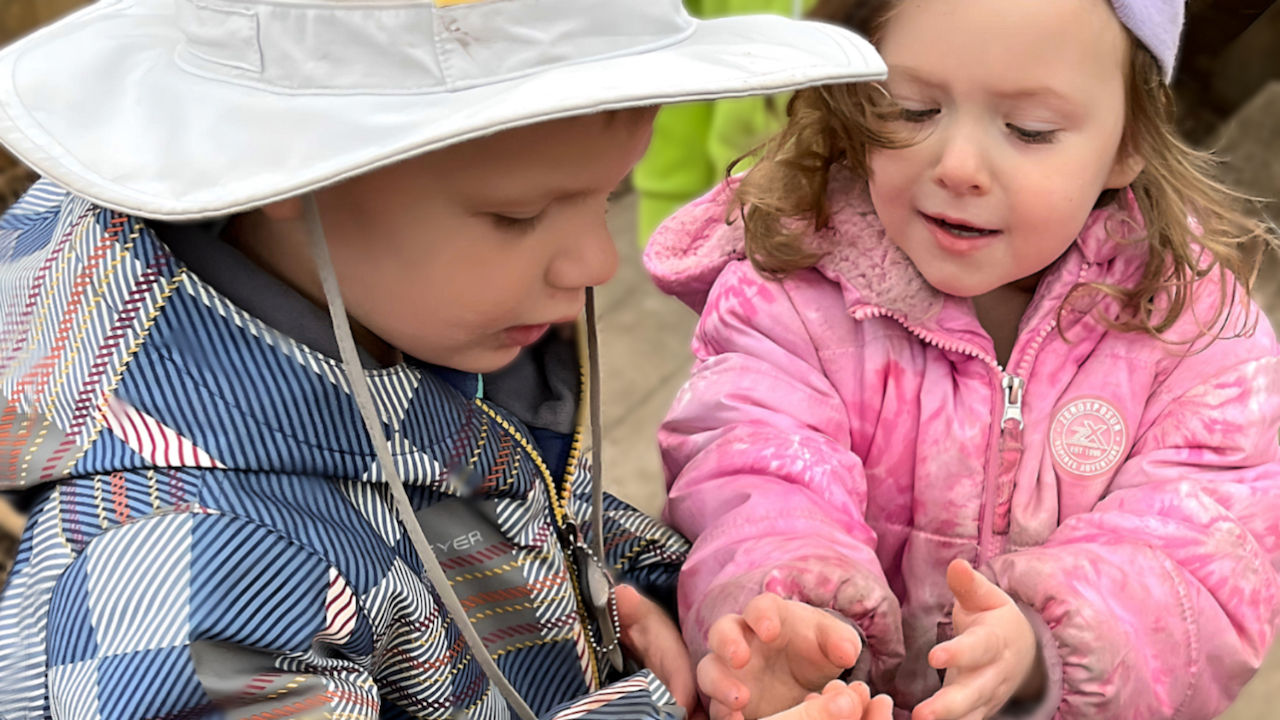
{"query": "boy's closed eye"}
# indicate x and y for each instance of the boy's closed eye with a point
(516, 222)
(525, 220)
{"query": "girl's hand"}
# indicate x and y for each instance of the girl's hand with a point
(840, 702)
(772, 656)
(654, 641)
(991, 658)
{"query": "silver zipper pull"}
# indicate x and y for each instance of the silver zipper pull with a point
(1013, 386)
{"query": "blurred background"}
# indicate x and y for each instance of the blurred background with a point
(1228, 92)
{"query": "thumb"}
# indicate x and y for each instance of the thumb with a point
(631, 605)
(974, 593)
(653, 639)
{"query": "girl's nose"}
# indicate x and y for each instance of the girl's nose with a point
(588, 258)
(962, 168)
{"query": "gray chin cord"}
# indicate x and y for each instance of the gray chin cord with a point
(364, 400)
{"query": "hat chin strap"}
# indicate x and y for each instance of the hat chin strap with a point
(364, 400)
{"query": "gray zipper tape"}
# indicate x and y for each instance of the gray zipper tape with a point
(364, 400)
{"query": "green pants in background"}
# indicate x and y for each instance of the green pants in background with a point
(693, 144)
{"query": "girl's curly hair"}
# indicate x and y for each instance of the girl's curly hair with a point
(785, 194)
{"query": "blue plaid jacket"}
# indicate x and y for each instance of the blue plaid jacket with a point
(214, 537)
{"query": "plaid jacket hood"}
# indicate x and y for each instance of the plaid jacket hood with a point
(215, 537)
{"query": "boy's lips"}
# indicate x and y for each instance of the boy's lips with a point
(524, 335)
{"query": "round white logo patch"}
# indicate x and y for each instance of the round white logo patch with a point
(1087, 437)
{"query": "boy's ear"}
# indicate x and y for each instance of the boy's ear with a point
(1126, 169)
(284, 210)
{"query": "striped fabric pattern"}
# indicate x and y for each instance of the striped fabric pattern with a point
(216, 538)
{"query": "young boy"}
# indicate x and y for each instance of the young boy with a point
(249, 508)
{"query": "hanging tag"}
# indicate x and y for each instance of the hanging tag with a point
(598, 588)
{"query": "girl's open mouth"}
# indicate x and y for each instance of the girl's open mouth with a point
(959, 230)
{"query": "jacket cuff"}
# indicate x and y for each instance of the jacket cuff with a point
(861, 670)
(1047, 705)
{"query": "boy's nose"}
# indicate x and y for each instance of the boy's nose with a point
(961, 168)
(587, 260)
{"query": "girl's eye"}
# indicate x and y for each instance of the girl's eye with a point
(515, 224)
(1032, 137)
(919, 116)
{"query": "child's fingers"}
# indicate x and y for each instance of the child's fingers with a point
(953, 702)
(879, 708)
(974, 593)
(861, 690)
(716, 681)
(835, 703)
(764, 616)
(728, 638)
(718, 711)
(973, 648)
(838, 642)
(651, 637)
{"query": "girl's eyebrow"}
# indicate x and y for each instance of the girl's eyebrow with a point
(1036, 93)
(1042, 93)
(910, 73)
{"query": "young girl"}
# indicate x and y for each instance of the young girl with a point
(992, 315)
(264, 487)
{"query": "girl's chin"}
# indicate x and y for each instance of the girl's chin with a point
(953, 283)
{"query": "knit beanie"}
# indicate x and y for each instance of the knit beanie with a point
(1158, 24)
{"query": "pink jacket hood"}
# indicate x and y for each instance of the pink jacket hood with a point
(847, 432)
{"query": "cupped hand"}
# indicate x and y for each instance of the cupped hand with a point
(651, 638)
(992, 657)
(840, 702)
(773, 655)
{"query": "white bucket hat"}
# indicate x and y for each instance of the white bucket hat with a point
(187, 109)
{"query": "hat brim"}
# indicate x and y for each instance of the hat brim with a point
(98, 103)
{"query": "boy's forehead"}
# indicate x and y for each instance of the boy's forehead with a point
(568, 157)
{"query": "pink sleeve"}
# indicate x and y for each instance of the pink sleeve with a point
(763, 480)
(1162, 600)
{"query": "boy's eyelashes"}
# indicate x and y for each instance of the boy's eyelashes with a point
(515, 223)
(1021, 134)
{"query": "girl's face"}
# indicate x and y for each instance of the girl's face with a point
(1019, 106)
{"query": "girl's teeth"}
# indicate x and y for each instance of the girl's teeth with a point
(964, 230)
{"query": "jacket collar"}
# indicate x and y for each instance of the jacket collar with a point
(874, 273)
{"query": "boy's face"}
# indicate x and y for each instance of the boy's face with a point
(463, 256)
(1020, 109)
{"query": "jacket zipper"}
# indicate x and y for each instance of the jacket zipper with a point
(1009, 454)
(566, 531)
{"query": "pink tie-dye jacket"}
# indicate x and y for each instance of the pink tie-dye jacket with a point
(847, 432)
